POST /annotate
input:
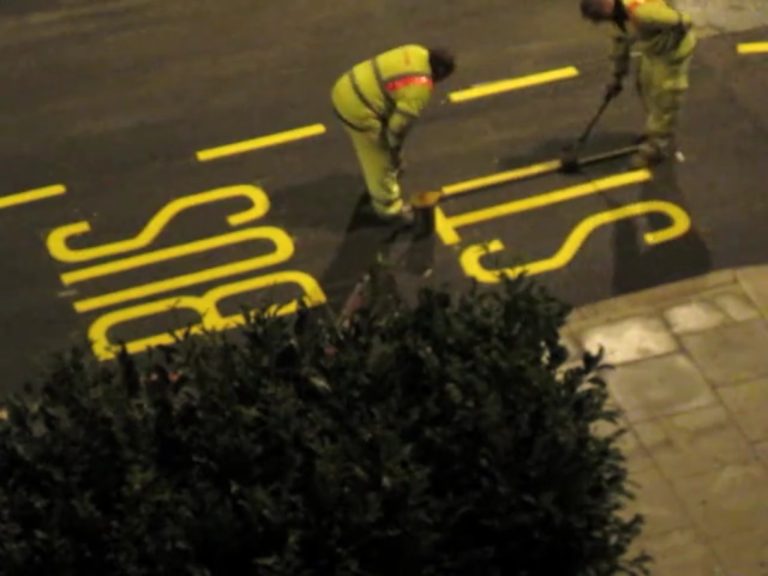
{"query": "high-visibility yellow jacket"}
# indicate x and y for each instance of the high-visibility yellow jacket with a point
(657, 30)
(386, 93)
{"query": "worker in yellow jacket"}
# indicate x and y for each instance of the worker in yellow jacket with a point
(378, 101)
(666, 41)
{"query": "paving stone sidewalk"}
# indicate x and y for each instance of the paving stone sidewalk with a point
(692, 379)
(720, 16)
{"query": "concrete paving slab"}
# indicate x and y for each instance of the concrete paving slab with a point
(761, 449)
(731, 354)
(657, 502)
(695, 442)
(736, 306)
(630, 339)
(727, 501)
(648, 301)
(754, 280)
(744, 552)
(694, 317)
(748, 402)
(718, 16)
(681, 552)
(660, 387)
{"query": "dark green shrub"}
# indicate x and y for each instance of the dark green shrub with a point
(433, 440)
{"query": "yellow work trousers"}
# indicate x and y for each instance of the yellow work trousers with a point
(380, 169)
(662, 85)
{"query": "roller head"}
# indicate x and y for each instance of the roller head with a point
(569, 161)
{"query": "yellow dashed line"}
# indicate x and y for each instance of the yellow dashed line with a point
(753, 48)
(31, 195)
(492, 88)
(261, 142)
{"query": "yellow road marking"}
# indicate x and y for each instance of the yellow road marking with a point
(261, 142)
(206, 306)
(541, 200)
(171, 253)
(31, 195)
(492, 88)
(283, 251)
(58, 238)
(680, 224)
(501, 178)
(753, 48)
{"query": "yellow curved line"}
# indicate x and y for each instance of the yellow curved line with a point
(283, 251)
(58, 239)
(164, 254)
(205, 306)
(680, 224)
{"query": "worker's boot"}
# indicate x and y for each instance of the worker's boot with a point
(405, 218)
(650, 153)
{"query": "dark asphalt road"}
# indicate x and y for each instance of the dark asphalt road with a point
(114, 98)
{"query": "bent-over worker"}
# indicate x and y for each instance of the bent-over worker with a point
(378, 101)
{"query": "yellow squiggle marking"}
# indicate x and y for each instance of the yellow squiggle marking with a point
(283, 251)
(59, 238)
(681, 223)
(206, 306)
(164, 254)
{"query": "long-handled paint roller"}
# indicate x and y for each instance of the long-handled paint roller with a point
(570, 159)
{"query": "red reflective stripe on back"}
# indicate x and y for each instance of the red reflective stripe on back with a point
(393, 85)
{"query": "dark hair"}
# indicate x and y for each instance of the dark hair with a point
(592, 9)
(442, 62)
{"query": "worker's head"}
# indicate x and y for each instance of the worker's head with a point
(598, 10)
(442, 62)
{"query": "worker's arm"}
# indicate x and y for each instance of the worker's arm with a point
(399, 124)
(408, 108)
(658, 15)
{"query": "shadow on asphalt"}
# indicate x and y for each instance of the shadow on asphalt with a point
(638, 266)
(554, 148)
(367, 241)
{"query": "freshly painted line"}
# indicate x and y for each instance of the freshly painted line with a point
(493, 88)
(554, 197)
(31, 195)
(501, 178)
(753, 48)
(261, 142)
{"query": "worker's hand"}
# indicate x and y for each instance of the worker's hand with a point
(613, 89)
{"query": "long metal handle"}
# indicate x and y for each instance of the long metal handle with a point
(591, 125)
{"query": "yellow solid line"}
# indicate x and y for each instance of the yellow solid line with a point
(492, 88)
(31, 195)
(501, 177)
(262, 142)
(753, 48)
(562, 195)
